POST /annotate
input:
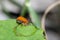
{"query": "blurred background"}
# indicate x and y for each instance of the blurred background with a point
(11, 9)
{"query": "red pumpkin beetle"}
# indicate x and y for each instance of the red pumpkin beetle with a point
(22, 20)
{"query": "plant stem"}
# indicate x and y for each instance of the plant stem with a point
(24, 8)
(19, 5)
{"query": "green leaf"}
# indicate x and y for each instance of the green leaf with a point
(34, 17)
(7, 31)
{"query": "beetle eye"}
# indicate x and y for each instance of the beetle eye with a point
(19, 22)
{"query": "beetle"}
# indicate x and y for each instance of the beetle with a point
(22, 20)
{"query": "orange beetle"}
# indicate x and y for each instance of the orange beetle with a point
(23, 20)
